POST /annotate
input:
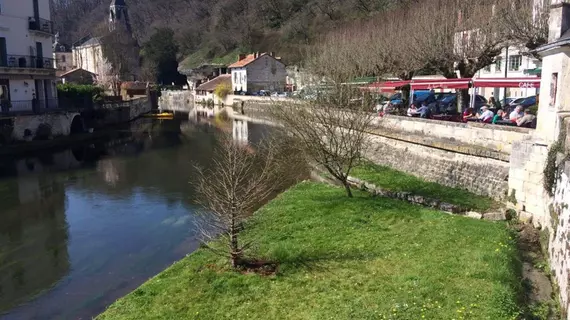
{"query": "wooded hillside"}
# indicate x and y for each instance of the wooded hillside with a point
(218, 29)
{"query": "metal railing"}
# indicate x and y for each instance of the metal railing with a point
(29, 106)
(16, 61)
(40, 24)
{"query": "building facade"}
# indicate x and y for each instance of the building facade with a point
(27, 69)
(63, 57)
(88, 55)
(519, 64)
(258, 71)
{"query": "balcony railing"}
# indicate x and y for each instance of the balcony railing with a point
(13, 61)
(41, 25)
(29, 106)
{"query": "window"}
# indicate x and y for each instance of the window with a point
(63, 58)
(515, 63)
(498, 64)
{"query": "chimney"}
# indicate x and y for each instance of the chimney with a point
(256, 55)
(272, 54)
(241, 56)
(559, 20)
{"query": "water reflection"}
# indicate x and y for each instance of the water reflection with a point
(81, 227)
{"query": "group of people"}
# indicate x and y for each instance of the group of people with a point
(423, 111)
(517, 116)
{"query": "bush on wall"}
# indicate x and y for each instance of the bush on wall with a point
(79, 95)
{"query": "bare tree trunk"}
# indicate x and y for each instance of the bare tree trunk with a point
(462, 99)
(347, 188)
(234, 248)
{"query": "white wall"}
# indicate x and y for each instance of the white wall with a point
(239, 79)
(548, 120)
(14, 27)
(88, 58)
(495, 72)
(20, 92)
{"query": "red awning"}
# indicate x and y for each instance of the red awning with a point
(428, 84)
(387, 86)
(506, 82)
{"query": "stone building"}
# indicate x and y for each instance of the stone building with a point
(88, 51)
(88, 54)
(258, 71)
(63, 56)
(27, 72)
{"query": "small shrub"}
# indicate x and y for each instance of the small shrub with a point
(78, 95)
(223, 90)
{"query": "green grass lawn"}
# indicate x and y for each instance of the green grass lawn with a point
(341, 258)
(393, 180)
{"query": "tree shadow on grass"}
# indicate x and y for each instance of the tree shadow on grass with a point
(318, 262)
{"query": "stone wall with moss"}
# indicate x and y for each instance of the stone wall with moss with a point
(559, 242)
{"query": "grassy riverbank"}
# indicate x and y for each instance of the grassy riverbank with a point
(341, 258)
(393, 180)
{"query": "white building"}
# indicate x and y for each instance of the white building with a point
(63, 57)
(257, 71)
(88, 55)
(88, 52)
(519, 65)
(27, 72)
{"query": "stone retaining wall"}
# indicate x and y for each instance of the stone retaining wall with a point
(559, 243)
(494, 137)
(59, 123)
(480, 175)
(177, 100)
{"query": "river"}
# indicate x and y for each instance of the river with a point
(84, 226)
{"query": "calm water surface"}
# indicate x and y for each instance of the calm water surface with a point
(82, 227)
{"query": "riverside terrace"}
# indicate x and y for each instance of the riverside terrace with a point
(445, 111)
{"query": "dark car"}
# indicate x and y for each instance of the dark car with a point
(449, 103)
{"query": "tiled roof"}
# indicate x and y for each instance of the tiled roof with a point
(212, 84)
(73, 71)
(244, 62)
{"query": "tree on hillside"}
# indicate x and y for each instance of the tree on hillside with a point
(160, 52)
(237, 182)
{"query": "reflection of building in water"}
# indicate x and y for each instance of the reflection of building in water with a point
(33, 235)
(110, 170)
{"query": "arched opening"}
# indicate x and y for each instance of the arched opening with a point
(77, 125)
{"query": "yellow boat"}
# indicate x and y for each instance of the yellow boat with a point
(163, 115)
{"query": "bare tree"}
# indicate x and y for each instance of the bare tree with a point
(526, 21)
(107, 77)
(331, 128)
(239, 179)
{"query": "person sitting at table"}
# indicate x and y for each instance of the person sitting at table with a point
(526, 120)
(469, 113)
(499, 116)
(424, 111)
(494, 103)
(413, 110)
(486, 115)
(516, 114)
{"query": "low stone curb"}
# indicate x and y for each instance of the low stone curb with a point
(426, 202)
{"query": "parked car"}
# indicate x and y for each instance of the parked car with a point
(507, 101)
(526, 102)
(449, 103)
(395, 100)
